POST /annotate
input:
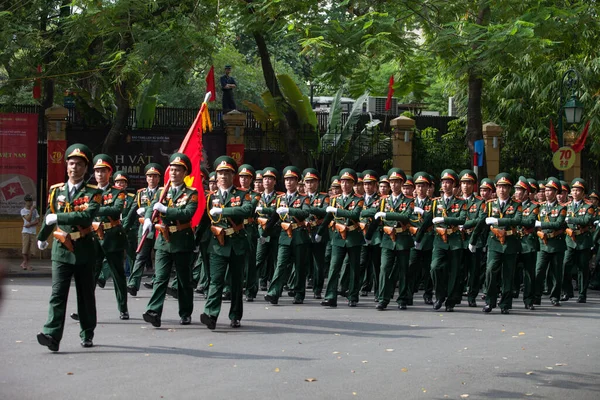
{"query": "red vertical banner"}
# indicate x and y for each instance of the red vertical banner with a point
(236, 151)
(18, 160)
(56, 161)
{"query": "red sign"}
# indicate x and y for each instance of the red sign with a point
(236, 151)
(18, 160)
(56, 161)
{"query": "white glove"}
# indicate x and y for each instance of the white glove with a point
(147, 226)
(331, 210)
(282, 210)
(42, 245)
(141, 211)
(438, 220)
(160, 207)
(491, 221)
(379, 215)
(51, 219)
(259, 209)
(318, 238)
(418, 210)
(538, 224)
(262, 240)
(216, 211)
(567, 220)
(418, 245)
(461, 227)
(484, 249)
(367, 241)
(472, 248)
(597, 222)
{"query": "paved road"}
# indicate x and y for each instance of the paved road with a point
(551, 353)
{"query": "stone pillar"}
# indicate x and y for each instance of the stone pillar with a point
(56, 122)
(569, 138)
(235, 124)
(492, 137)
(402, 135)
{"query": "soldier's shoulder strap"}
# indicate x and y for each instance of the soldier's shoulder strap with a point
(91, 186)
(141, 190)
(57, 185)
(130, 194)
(280, 193)
(324, 193)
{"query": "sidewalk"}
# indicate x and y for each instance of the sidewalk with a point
(41, 268)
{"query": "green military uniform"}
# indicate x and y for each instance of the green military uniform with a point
(112, 241)
(370, 253)
(503, 218)
(335, 184)
(551, 221)
(580, 219)
(347, 240)
(448, 213)
(228, 246)
(529, 246)
(131, 223)
(143, 200)
(174, 246)
(203, 239)
(595, 278)
(73, 208)
(318, 203)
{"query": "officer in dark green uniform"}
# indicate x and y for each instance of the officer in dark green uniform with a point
(503, 218)
(370, 253)
(533, 189)
(551, 233)
(580, 218)
(130, 220)
(347, 239)
(595, 278)
(226, 210)
(174, 246)
(318, 203)
(71, 210)
(143, 199)
(112, 241)
(529, 242)
(486, 189)
(449, 212)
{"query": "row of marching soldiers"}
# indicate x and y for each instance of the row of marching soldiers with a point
(368, 233)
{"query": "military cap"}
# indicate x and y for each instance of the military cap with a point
(79, 150)
(384, 178)
(360, 177)
(503, 178)
(422, 177)
(523, 184)
(204, 171)
(594, 194)
(533, 184)
(579, 183)
(409, 181)
(396, 173)
(181, 159)
(270, 172)
(467, 175)
(369, 176)
(335, 181)
(104, 161)
(246, 170)
(487, 183)
(449, 174)
(212, 177)
(564, 185)
(225, 163)
(553, 183)
(542, 185)
(120, 176)
(292, 172)
(311, 173)
(349, 174)
(154, 169)
(259, 174)
(227, 66)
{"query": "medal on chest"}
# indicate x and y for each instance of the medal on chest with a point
(107, 199)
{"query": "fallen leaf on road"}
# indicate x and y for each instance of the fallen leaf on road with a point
(550, 337)
(19, 341)
(503, 330)
(310, 379)
(336, 334)
(171, 330)
(529, 373)
(364, 361)
(389, 349)
(147, 355)
(549, 368)
(505, 358)
(413, 326)
(336, 352)
(528, 394)
(142, 327)
(464, 396)
(69, 373)
(353, 371)
(521, 333)
(276, 370)
(404, 370)
(560, 364)
(210, 345)
(353, 393)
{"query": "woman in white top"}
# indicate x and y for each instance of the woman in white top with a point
(30, 220)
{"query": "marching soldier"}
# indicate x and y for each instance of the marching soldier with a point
(384, 186)
(212, 182)
(129, 218)
(246, 175)
(370, 254)
(449, 212)
(226, 210)
(143, 199)
(258, 182)
(359, 188)
(503, 218)
(533, 189)
(347, 239)
(580, 219)
(486, 189)
(71, 210)
(563, 196)
(408, 187)
(551, 224)
(174, 246)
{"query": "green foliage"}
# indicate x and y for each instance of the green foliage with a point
(146, 106)
(433, 152)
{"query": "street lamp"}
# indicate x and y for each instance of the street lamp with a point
(572, 110)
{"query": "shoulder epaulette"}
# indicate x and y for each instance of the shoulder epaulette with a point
(589, 202)
(335, 196)
(490, 200)
(478, 197)
(141, 190)
(384, 196)
(116, 187)
(324, 193)
(280, 193)
(56, 185)
(242, 189)
(192, 188)
(130, 194)
(410, 197)
(161, 188)
(436, 198)
(91, 186)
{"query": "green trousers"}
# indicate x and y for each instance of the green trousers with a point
(504, 265)
(580, 261)
(527, 266)
(142, 260)
(218, 267)
(117, 270)
(419, 267)
(86, 300)
(472, 263)
(553, 263)
(320, 269)
(196, 272)
(286, 256)
(266, 257)
(445, 273)
(338, 254)
(370, 265)
(250, 268)
(203, 258)
(164, 263)
(394, 269)
(345, 275)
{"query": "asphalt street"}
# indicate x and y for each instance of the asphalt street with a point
(305, 351)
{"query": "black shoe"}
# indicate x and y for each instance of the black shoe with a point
(472, 303)
(317, 296)
(532, 307)
(101, 283)
(402, 306)
(364, 293)
(124, 315)
(428, 300)
(172, 292)
(537, 302)
(329, 303)
(75, 316)
(48, 341)
(581, 300)
(226, 296)
(564, 297)
(409, 302)
(555, 303)
(527, 306)
(249, 299)
(298, 301)
(152, 318)
(450, 308)
(199, 290)
(263, 288)
(210, 322)
(132, 291)
(504, 311)
(546, 292)
(291, 293)
(487, 309)
(309, 284)
(438, 304)
(185, 320)
(343, 293)
(515, 295)
(271, 299)
(352, 303)
(380, 307)
(87, 343)
(235, 323)
(148, 285)
(483, 297)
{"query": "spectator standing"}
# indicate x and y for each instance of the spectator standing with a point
(31, 218)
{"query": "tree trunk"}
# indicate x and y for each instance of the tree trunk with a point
(474, 118)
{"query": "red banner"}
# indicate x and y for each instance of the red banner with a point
(18, 160)
(236, 151)
(56, 161)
